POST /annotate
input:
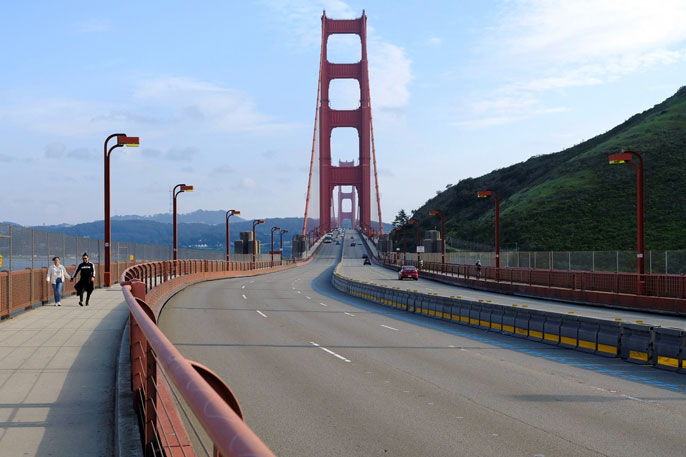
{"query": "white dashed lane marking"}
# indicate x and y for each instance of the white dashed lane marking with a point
(390, 328)
(244, 297)
(261, 313)
(330, 352)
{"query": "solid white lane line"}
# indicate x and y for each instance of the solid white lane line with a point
(390, 328)
(261, 313)
(244, 297)
(329, 351)
(349, 314)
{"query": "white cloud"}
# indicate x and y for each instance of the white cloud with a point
(547, 45)
(433, 41)
(218, 108)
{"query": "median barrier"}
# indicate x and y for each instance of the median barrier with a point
(536, 325)
(485, 316)
(474, 310)
(637, 343)
(569, 331)
(509, 315)
(668, 348)
(588, 335)
(497, 312)
(551, 329)
(464, 312)
(609, 338)
(522, 317)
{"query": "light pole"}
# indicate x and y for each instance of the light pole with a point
(122, 140)
(494, 195)
(627, 157)
(179, 188)
(271, 251)
(436, 212)
(419, 238)
(281, 244)
(229, 213)
(254, 240)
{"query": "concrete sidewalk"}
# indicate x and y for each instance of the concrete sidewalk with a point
(58, 382)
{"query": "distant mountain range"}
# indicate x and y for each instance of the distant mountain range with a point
(200, 229)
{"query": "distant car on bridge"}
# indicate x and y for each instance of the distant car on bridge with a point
(408, 271)
(367, 261)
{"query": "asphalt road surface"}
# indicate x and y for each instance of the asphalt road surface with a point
(320, 373)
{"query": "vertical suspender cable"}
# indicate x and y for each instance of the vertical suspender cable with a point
(314, 134)
(376, 172)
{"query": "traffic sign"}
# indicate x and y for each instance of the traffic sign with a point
(420, 249)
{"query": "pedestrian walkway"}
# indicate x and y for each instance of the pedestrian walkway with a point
(58, 378)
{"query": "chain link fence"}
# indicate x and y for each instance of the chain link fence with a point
(656, 262)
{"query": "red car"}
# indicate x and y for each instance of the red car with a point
(408, 271)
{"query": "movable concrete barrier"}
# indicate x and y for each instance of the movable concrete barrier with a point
(485, 317)
(609, 338)
(474, 310)
(497, 318)
(569, 331)
(464, 312)
(536, 325)
(588, 334)
(446, 303)
(522, 317)
(509, 315)
(551, 329)
(637, 343)
(668, 348)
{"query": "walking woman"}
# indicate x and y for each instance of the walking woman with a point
(57, 275)
(86, 280)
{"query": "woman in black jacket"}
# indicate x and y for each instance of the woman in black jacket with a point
(86, 281)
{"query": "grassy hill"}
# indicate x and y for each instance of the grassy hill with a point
(575, 200)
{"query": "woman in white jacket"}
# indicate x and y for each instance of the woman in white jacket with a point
(57, 275)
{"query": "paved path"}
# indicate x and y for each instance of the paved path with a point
(57, 378)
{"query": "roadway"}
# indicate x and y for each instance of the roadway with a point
(321, 373)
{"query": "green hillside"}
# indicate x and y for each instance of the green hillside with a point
(575, 200)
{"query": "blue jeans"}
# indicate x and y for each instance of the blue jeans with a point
(57, 288)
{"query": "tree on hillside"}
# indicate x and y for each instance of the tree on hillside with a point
(401, 219)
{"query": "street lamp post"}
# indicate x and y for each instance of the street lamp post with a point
(122, 140)
(271, 251)
(419, 238)
(179, 188)
(494, 195)
(229, 213)
(627, 157)
(254, 240)
(281, 244)
(436, 212)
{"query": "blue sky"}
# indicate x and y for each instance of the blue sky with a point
(223, 95)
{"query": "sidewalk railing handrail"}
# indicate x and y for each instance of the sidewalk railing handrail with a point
(155, 360)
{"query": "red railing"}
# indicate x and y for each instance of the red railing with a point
(156, 365)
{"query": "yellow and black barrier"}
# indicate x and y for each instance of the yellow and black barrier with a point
(643, 344)
(668, 348)
(637, 343)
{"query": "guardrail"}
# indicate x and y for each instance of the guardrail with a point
(663, 348)
(156, 364)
